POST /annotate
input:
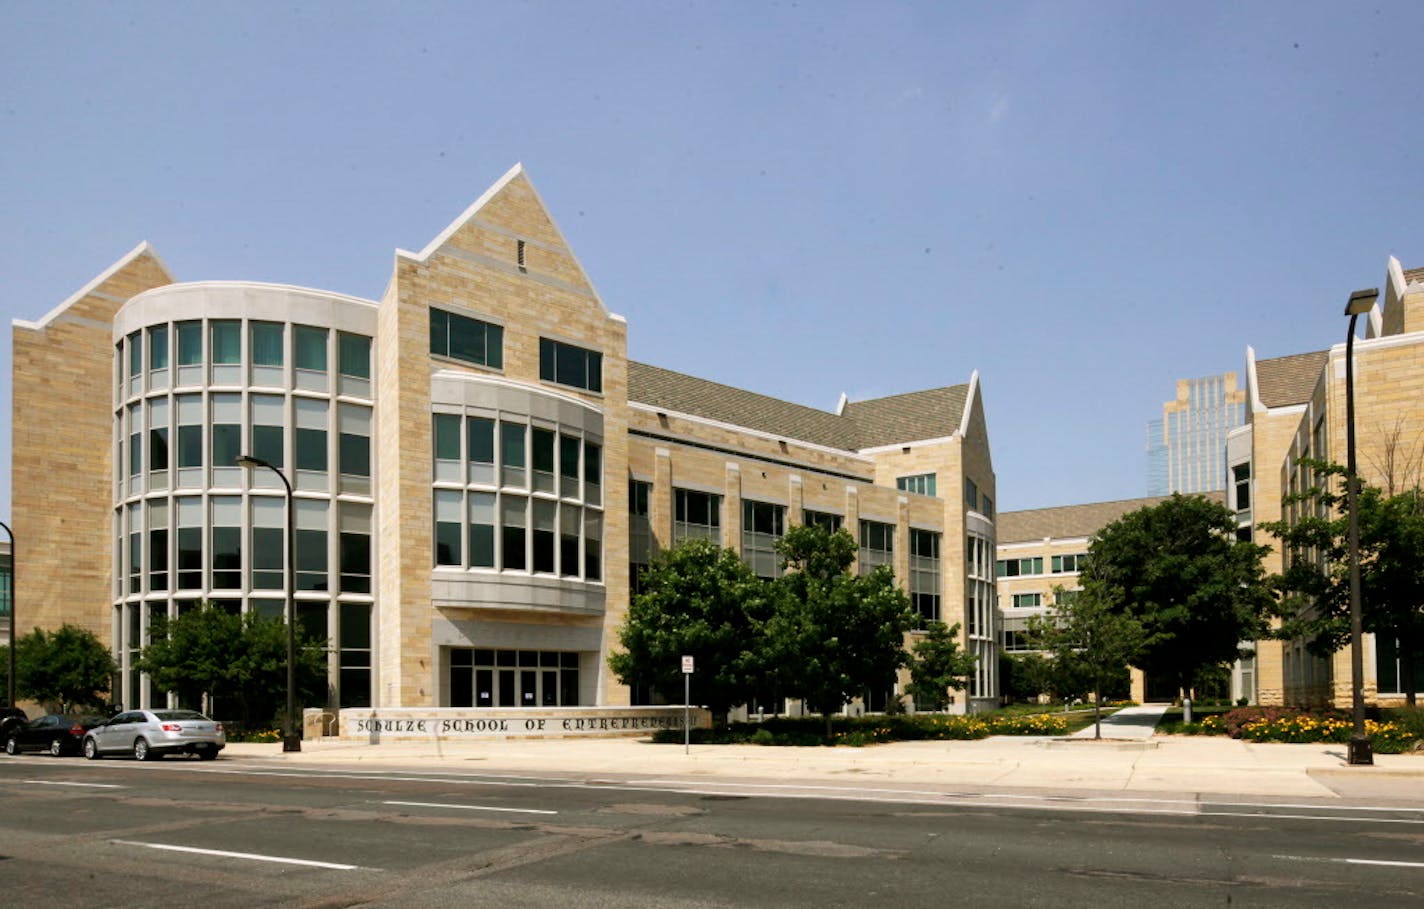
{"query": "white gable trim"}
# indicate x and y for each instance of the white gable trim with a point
(143, 248)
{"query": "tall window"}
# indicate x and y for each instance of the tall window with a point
(566, 364)
(190, 543)
(462, 338)
(877, 545)
(310, 343)
(480, 449)
(268, 429)
(311, 553)
(355, 441)
(447, 527)
(269, 543)
(640, 532)
(226, 341)
(924, 574)
(971, 494)
(923, 484)
(266, 343)
(762, 525)
(226, 437)
(696, 516)
(227, 543)
(482, 524)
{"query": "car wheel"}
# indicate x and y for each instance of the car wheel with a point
(142, 751)
(91, 750)
(56, 747)
(208, 754)
(12, 746)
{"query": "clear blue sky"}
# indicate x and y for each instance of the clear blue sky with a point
(1083, 201)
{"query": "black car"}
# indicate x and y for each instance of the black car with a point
(53, 733)
(11, 718)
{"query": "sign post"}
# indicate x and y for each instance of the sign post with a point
(686, 705)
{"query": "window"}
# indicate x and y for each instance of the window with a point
(158, 347)
(355, 451)
(971, 494)
(482, 529)
(190, 343)
(227, 543)
(226, 342)
(463, 338)
(158, 435)
(269, 552)
(592, 545)
(1241, 479)
(355, 634)
(762, 525)
(135, 419)
(190, 430)
(696, 516)
(640, 532)
(511, 453)
(480, 431)
(924, 574)
(569, 541)
(447, 448)
(923, 484)
(877, 545)
(353, 355)
(592, 473)
(569, 466)
(1069, 563)
(447, 527)
(544, 517)
(311, 451)
(267, 429)
(986, 506)
(570, 365)
(825, 520)
(542, 443)
(158, 546)
(135, 354)
(266, 343)
(512, 536)
(310, 345)
(1027, 600)
(1012, 568)
(226, 438)
(311, 554)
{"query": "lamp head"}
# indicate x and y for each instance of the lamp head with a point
(1362, 301)
(249, 462)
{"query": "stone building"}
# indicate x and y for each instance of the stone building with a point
(479, 472)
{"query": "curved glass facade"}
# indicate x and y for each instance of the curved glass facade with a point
(192, 394)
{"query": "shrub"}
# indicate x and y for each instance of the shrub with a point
(870, 730)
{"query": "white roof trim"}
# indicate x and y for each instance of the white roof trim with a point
(879, 449)
(257, 285)
(841, 404)
(760, 434)
(1257, 405)
(87, 289)
(969, 404)
(444, 236)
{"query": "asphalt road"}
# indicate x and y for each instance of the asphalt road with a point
(248, 833)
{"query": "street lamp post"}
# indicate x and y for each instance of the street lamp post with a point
(1361, 302)
(9, 533)
(291, 739)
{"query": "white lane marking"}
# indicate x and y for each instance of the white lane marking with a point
(1349, 861)
(252, 856)
(64, 783)
(472, 807)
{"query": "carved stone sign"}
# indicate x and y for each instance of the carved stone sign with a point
(461, 723)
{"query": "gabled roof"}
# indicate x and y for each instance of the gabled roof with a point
(932, 414)
(1071, 521)
(863, 424)
(1284, 381)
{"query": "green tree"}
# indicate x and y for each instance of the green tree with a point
(833, 635)
(1089, 636)
(240, 661)
(1177, 570)
(702, 601)
(1314, 587)
(68, 668)
(937, 665)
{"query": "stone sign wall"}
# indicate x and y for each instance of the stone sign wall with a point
(462, 724)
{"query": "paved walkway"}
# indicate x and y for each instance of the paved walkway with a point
(1137, 723)
(1187, 766)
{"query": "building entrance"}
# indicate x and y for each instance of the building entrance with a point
(513, 678)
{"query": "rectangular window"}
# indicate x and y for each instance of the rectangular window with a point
(227, 558)
(696, 516)
(447, 438)
(512, 525)
(158, 560)
(544, 516)
(569, 466)
(480, 432)
(922, 484)
(190, 558)
(226, 341)
(592, 473)
(1241, 480)
(762, 525)
(542, 446)
(135, 354)
(158, 347)
(462, 338)
(566, 364)
(569, 541)
(971, 494)
(511, 453)
(640, 532)
(829, 522)
(190, 343)
(1012, 568)
(353, 355)
(311, 449)
(354, 547)
(266, 343)
(482, 516)
(269, 552)
(310, 343)
(158, 449)
(447, 527)
(924, 574)
(1068, 563)
(592, 545)
(877, 545)
(1027, 600)
(355, 442)
(311, 559)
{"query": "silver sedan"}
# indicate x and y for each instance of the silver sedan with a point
(150, 734)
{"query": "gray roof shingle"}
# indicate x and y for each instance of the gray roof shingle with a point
(863, 424)
(1070, 521)
(1284, 381)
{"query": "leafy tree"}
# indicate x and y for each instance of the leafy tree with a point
(239, 660)
(67, 667)
(833, 635)
(1090, 636)
(702, 601)
(937, 665)
(1314, 588)
(1178, 571)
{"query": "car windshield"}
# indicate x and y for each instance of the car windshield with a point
(179, 715)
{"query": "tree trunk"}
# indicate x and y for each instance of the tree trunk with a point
(1407, 649)
(827, 715)
(1097, 712)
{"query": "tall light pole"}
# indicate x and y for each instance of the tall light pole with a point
(1361, 302)
(9, 533)
(291, 739)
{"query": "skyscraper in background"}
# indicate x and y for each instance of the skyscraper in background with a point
(1186, 448)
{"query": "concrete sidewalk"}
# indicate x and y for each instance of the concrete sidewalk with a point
(1138, 723)
(1211, 766)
